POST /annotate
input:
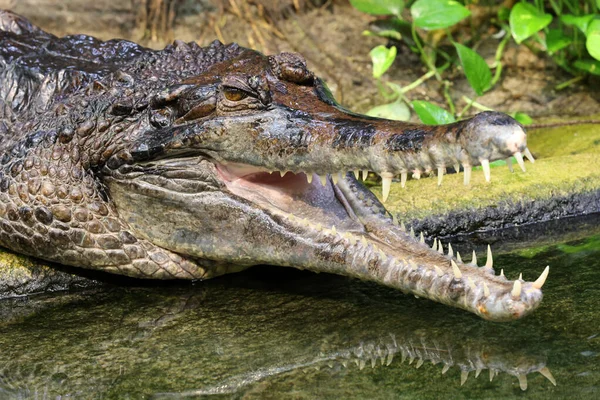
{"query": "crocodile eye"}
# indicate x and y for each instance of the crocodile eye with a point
(233, 94)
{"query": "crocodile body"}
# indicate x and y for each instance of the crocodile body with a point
(190, 162)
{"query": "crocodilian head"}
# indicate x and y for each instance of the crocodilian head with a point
(246, 163)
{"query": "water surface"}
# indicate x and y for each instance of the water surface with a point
(279, 334)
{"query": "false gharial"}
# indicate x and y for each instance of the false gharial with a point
(191, 162)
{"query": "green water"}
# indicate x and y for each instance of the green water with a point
(280, 334)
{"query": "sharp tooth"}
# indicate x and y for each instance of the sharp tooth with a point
(516, 290)
(457, 168)
(458, 257)
(464, 375)
(529, 155)
(486, 290)
(319, 227)
(335, 178)
(386, 183)
(419, 363)
(365, 174)
(417, 175)
(519, 158)
(357, 174)
(474, 259)
(489, 263)
(403, 178)
(455, 270)
(434, 245)
(548, 375)
(450, 251)
(542, 279)
(309, 177)
(412, 232)
(477, 372)
(323, 179)
(467, 177)
(422, 238)
(522, 381)
(492, 374)
(445, 369)
(438, 271)
(333, 230)
(521, 276)
(485, 164)
(509, 164)
(440, 174)
(283, 173)
(502, 272)
(402, 226)
(440, 248)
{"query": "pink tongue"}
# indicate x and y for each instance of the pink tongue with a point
(257, 178)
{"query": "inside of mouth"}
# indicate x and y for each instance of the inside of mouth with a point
(291, 194)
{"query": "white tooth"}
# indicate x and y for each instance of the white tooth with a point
(450, 251)
(457, 168)
(333, 230)
(422, 238)
(489, 263)
(455, 270)
(492, 374)
(365, 174)
(434, 245)
(486, 290)
(412, 232)
(467, 177)
(319, 227)
(464, 375)
(474, 259)
(419, 363)
(509, 164)
(445, 369)
(458, 257)
(386, 183)
(438, 270)
(521, 276)
(309, 177)
(542, 279)
(529, 155)
(485, 164)
(502, 272)
(357, 174)
(403, 178)
(440, 248)
(519, 158)
(335, 178)
(402, 226)
(516, 290)
(417, 175)
(440, 174)
(522, 381)
(548, 375)
(323, 179)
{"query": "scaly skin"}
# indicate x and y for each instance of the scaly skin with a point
(158, 164)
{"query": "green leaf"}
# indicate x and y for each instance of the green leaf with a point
(591, 66)
(430, 114)
(580, 22)
(398, 111)
(382, 59)
(523, 118)
(437, 14)
(526, 20)
(556, 40)
(476, 69)
(592, 42)
(503, 13)
(379, 7)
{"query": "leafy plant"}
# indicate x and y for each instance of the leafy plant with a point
(568, 30)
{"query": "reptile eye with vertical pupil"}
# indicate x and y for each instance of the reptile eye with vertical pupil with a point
(233, 94)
